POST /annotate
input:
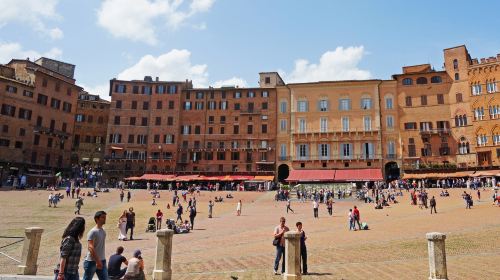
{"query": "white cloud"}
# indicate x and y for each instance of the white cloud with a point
(234, 81)
(32, 12)
(340, 64)
(101, 90)
(175, 66)
(136, 19)
(10, 51)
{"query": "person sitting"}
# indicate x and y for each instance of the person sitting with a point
(379, 206)
(153, 202)
(115, 263)
(446, 193)
(135, 268)
(229, 195)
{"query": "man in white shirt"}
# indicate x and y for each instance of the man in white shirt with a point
(315, 208)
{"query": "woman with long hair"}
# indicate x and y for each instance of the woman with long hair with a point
(122, 226)
(71, 250)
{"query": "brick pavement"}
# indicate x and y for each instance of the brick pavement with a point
(394, 248)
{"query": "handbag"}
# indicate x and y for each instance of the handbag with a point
(276, 241)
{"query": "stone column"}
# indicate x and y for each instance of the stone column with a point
(31, 247)
(292, 256)
(163, 260)
(437, 256)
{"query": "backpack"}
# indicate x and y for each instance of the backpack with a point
(364, 226)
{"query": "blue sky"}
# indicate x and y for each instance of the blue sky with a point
(223, 42)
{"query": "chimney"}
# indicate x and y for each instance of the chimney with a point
(498, 57)
(157, 79)
(483, 60)
(475, 61)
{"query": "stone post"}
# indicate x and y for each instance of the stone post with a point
(31, 247)
(437, 256)
(163, 260)
(292, 256)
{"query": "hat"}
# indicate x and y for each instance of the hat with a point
(137, 253)
(99, 214)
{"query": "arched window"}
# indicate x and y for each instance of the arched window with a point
(436, 80)
(455, 64)
(407, 81)
(463, 146)
(421, 81)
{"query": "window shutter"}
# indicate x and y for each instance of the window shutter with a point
(307, 151)
(351, 152)
(307, 106)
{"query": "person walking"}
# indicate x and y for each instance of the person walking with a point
(122, 195)
(71, 250)
(288, 202)
(159, 218)
(129, 195)
(95, 261)
(478, 195)
(78, 205)
(238, 208)
(329, 206)
(351, 220)
(315, 208)
(357, 217)
(432, 202)
(303, 249)
(179, 213)
(279, 236)
(115, 270)
(192, 215)
(130, 223)
(210, 208)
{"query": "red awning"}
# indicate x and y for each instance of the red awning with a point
(187, 178)
(351, 175)
(311, 176)
(157, 177)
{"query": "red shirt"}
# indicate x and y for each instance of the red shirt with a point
(356, 212)
(159, 215)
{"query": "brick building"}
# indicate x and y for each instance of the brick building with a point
(228, 130)
(143, 126)
(38, 102)
(90, 134)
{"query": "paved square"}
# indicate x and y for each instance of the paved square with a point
(394, 248)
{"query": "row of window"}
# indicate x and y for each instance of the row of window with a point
(482, 139)
(346, 151)
(494, 112)
(323, 124)
(144, 121)
(423, 100)
(9, 110)
(427, 126)
(186, 129)
(54, 103)
(263, 144)
(88, 118)
(223, 105)
(477, 89)
(234, 156)
(148, 90)
(87, 139)
(422, 81)
(141, 139)
(236, 95)
(13, 89)
(145, 105)
(323, 105)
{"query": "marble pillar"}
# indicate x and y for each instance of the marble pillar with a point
(31, 247)
(292, 256)
(163, 260)
(437, 256)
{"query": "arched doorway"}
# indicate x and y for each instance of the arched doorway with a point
(391, 171)
(283, 172)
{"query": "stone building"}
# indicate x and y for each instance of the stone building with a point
(91, 122)
(37, 115)
(338, 125)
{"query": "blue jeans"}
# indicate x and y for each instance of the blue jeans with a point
(90, 268)
(280, 252)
